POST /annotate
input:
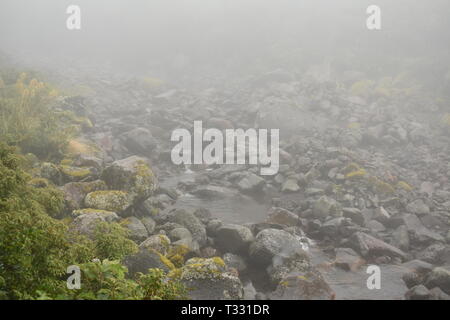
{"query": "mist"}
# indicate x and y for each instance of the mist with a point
(249, 149)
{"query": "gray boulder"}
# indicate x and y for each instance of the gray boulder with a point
(233, 238)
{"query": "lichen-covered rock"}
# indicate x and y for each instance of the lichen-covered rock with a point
(305, 283)
(51, 172)
(145, 259)
(157, 242)
(234, 238)
(75, 192)
(296, 278)
(207, 279)
(111, 200)
(132, 175)
(271, 243)
(235, 262)
(71, 173)
(137, 230)
(324, 207)
(192, 223)
(87, 219)
(439, 277)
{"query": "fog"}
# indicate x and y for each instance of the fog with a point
(135, 35)
(138, 111)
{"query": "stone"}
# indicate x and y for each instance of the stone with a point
(139, 140)
(270, 243)
(354, 214)
(145, 259)
(75, 192)
(347, 259)
(418, 207)
(371, 247)
(418, 232)
(290, 185)
(110, 200)
(439, 277)
(283, 217)
(419, 292)
(132, 175)
(251, 183)
(233, 238)
(235, 261)
(87, 219)
(207, 279)
(190, 222)
(324, 207)
(400, 238)
(149, 224)
(137, 230)
(157, 242)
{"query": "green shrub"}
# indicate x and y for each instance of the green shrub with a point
(30, 119)
(34, 248)
(111, 241)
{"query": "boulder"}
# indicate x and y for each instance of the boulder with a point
(157, 242)
(145, 259)
(137, 230)
(418, 207)
(251, 183)
(270, 243)
(207, 279)
(234, 261)
(75, 192)
(418, 232)
(87, 219)
(233, 238)
(190, 222)
(132, 175)
(439, 277)
(347, 259)
(324, 207)
(283, 217)
(139, 140)
(371, 247)
(111, 200)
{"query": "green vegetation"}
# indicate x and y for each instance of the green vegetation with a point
(29, 116)
(36, 247)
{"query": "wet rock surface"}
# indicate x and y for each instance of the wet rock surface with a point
(359, 183)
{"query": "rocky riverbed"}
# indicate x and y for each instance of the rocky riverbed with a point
(363, 180)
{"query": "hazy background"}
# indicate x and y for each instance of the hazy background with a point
(193, 35)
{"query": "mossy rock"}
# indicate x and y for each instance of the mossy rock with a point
(79, 212)
(75, 192)
(157, 242)
(76, 147)
(39, 182)
(133, 175)
(208, 279)
(75, 173)
(145, 259)
(110, 200)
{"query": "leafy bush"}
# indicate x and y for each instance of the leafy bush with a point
(29, 117)
(105, 280)
(111, 241)
(34, 247)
